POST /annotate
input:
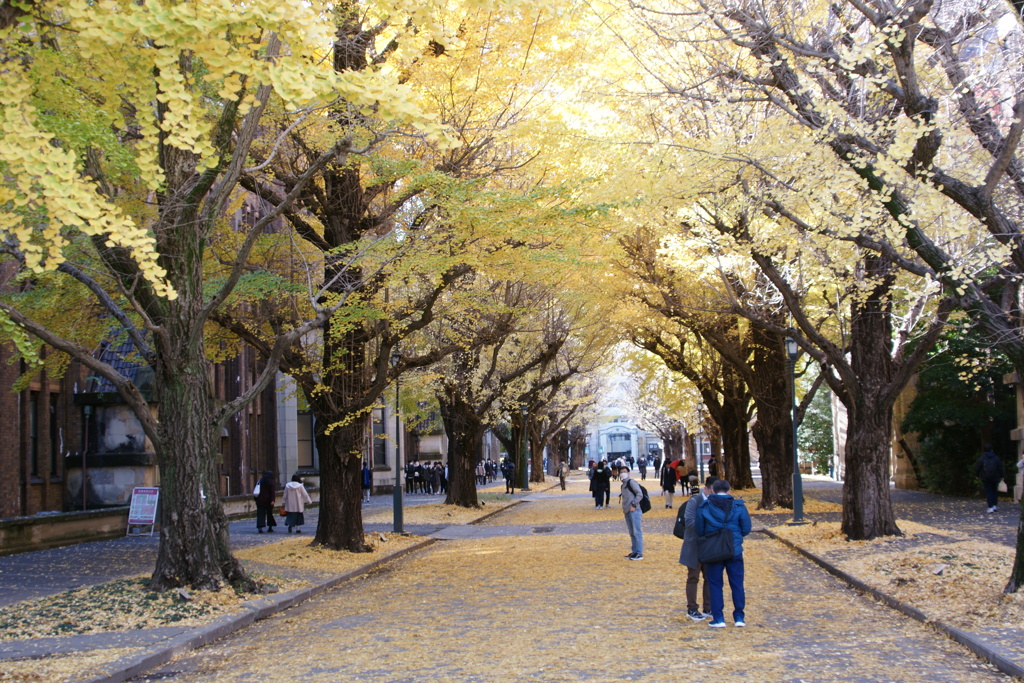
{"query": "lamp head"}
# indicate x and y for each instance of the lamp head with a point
(395, 357)
(791, 348)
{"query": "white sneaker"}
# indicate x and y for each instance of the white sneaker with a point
(741, 623)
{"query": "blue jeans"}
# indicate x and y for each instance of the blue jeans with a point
(713, 575)
(635, 524)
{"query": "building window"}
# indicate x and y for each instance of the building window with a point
(380, 453)
(33, 433)
(305, 431)
(619, 443)
(54, 438)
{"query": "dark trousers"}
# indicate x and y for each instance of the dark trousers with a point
(693, 574)
(991, 492)
(265, 516)
(713, 575)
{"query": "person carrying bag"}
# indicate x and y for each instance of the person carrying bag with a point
(723, 521)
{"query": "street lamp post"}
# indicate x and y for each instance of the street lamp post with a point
(699, 444)
(792, 350)
(399, 490)
(525, 474)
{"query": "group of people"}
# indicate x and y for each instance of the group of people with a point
(294, 503)
(429, 478)
(486, 471)
(710, 511)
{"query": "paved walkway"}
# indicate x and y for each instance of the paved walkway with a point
(542, 591)
(555, 600)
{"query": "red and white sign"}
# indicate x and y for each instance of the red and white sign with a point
(143, 508)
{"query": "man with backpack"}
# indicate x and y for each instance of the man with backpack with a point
(989, 468)
(721, 513)
(688, 555)
(632, 495)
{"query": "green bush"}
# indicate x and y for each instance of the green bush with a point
(961, 404)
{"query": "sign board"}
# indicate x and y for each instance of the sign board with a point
(143, 508)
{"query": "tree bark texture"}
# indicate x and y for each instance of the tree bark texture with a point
(867, 508)
(536, 457)
(773, 430)
(340, 526)
(194, 545)
(465, 432)
(578, 447)
(337, 397)
(735, 460)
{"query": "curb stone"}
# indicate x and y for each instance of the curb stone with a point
(256, 610)
(965, 638)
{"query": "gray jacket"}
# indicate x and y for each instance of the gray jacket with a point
(631, 495)
(688, 553)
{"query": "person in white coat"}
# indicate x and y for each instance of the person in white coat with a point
(295, 500)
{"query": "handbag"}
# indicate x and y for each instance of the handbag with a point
(1002, 488)
(715, 547)
(283, 513)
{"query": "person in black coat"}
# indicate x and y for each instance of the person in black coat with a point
(669, 477)
(602, 484)
(265, 500)
(989, 468)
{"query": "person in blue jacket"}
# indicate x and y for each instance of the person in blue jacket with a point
(718, 511)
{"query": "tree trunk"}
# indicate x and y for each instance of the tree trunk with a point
(867, 508)
(559, 451)
(673, 440)
(578, 447)
(341, 450)
(536, 458)
(773, 429)
(194, 545)
(690, 453)
(735, 460)
(465, 438)
(521, 458)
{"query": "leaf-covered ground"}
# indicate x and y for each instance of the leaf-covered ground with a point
(569, 607)
(947, 575)
(439, 513)
(124, 605)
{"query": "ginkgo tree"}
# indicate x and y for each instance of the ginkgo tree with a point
(125, 128)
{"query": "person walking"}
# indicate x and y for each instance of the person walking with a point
(367, 481)
(630, 494)
(668, 484)
(688, 555)
(295, 500)
(722, 511)
(989, 468)
(563, 472)
(265, 500)
(602, 484)
(510, 476)
(642, 464)
(713, 466)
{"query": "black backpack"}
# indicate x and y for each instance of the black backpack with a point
(645, 500)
